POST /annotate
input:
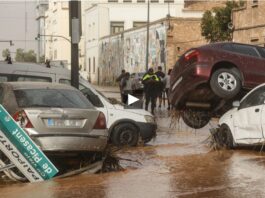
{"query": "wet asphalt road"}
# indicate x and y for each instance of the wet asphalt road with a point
(178, 163)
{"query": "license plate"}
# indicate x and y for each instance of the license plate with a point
(64, 123)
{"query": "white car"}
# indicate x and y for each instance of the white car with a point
(125, 126)
(245, 123)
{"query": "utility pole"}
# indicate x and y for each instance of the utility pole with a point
(147, 35)
(75, 33)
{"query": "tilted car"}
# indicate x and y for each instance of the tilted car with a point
(245, 123)
(205, 80)
(59, 118)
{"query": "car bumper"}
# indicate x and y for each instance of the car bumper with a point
(147, 131)
(70, 142)
(186, 82)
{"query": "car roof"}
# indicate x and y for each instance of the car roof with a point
(31, 67)
(228, 42)
(36, 85)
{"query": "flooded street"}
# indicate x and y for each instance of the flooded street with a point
(178, 163)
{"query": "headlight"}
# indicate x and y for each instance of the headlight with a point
(149, 119)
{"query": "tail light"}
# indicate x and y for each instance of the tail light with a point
(191, 56)
(101, 122)
(22, 119)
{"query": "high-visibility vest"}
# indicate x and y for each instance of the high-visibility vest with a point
(148, 76)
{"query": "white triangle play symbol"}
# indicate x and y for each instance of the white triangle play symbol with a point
(132, 99)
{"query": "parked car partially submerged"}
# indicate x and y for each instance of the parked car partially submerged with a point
(244, 124)
(58, 118)
(205, 80)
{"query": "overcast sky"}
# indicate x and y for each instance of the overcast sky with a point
(18, 23)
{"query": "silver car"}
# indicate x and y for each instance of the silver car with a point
(57, 117)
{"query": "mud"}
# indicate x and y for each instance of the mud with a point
(178, 163)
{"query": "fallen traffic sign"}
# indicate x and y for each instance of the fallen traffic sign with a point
(22, 151)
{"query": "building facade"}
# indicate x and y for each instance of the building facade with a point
(42, 6)
(113, 17)
(249, 24)
(127, 50)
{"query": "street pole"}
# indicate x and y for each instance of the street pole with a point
(147, 36)
(75, 33)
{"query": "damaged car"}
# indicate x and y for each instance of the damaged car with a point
(58, 118)
(206, 80)
(244, 124)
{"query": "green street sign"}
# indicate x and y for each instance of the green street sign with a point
(25, 146)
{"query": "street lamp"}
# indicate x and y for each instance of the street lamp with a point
(7, 41)
(147, 36)
(59, 36)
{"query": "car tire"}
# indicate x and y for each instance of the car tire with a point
(196, 118)
(225, 137)
(226, 83)
(125, 134)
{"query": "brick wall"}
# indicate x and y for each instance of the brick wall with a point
(183, 34)
(249, 23)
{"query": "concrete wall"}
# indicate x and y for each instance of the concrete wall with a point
(249, 24)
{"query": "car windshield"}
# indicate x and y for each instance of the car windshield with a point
(62, 98)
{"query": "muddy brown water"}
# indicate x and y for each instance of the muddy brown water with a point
(178, 163)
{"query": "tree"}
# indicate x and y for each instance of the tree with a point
(22, 56)
(214, 26)
(5, 53)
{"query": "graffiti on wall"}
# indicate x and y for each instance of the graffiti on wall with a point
(128, 51)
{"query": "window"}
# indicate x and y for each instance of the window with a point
(154, 1)
(140, 1)
(138, 24)
(94, 65)
(68, 82)
(89, 65)
(127, 1)
(3, 79)
(113, 1)
(257, 97)
(63, 98)
(169, 1)
(1, 95)
(116, 27)
(93, 98)
(246, 50)
(33, 78)
(55, 54)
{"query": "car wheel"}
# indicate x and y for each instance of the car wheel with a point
(125, 134)
(226, 83)
(196, 118)
(225, 137)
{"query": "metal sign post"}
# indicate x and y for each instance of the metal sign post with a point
(22, 151)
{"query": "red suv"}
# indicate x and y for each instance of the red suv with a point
(206, 79)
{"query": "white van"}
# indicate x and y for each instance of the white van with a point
(126, 126)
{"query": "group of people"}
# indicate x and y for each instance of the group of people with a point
(155, 85)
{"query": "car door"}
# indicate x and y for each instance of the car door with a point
(252, 64)
(248, 118)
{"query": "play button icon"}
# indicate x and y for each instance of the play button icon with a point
(132, 99)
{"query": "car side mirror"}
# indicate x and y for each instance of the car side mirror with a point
(236, 104)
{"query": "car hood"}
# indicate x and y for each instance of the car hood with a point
(135, 111)
(227, 117)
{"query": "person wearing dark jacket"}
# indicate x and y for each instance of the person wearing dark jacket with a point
(151, 84)
(120, 77)
(161, 86)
